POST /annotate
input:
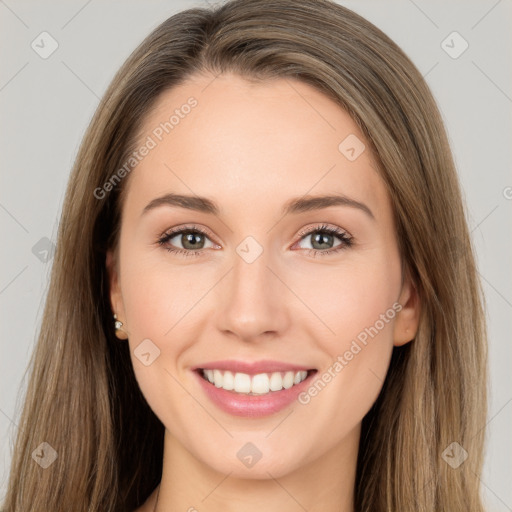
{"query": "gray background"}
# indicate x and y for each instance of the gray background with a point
(46, 105)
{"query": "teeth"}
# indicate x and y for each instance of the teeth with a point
(229, 381)
(242, 383)
(218, 378)
(259, 384)
(288, 380)
(276, 382)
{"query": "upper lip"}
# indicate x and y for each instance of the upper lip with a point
(252, 368)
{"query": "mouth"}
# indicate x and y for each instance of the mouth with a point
(265, 383)
(253, 389)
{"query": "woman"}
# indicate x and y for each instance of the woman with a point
(194, 354)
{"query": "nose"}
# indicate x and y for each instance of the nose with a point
(253, 301)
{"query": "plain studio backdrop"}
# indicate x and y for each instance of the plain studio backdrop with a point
(49, 91)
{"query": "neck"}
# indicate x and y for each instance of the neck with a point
(326, 484)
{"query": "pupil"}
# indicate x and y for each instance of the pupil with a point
(190, 238)
(323, 239)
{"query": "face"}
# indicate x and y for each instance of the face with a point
(260, 283)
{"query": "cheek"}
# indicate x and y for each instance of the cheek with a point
(353, 298)
(159, 299)
(159, 305)
(359, 306)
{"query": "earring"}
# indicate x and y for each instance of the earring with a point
(118, 324)
(119, 332)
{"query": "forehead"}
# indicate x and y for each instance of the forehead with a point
(240, 142)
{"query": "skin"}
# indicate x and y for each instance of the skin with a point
(251, 148)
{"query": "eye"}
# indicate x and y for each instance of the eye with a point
(323, 237)
(191, 239)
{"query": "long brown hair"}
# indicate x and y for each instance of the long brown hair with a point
(83, 399)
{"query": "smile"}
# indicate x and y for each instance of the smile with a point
(252, 390)
(260, 384)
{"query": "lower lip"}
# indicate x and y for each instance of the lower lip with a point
(255, 406)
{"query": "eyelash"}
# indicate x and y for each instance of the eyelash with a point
(346, 240)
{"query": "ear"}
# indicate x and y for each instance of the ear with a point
(407, 319)
(116, 299)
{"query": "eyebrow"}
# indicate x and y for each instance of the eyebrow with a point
(294, 205)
